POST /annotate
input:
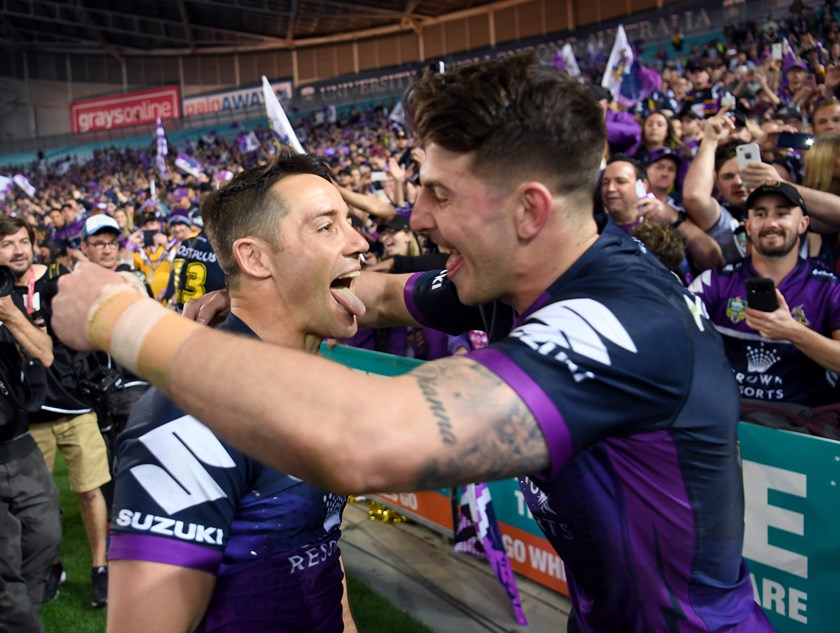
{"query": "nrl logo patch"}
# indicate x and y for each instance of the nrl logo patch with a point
(735, 310)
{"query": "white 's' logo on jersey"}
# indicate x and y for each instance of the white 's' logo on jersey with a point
(182, 447)
(580, 325)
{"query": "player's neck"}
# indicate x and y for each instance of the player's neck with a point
(270, 325)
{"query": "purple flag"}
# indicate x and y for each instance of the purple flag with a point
(638, 84)
(479, 534)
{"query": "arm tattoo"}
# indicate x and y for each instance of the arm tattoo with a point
(427, 380)
(487, 431)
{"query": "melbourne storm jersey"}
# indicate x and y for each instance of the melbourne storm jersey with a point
(186, 498)
(629, 383)
(766, 369)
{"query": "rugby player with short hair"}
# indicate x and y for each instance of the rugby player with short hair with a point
(203, 537)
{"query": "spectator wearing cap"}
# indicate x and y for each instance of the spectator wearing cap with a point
(781, 355)
(101, 241)
(798, 85)
(180, 226)
(662, 168)
(704, 98)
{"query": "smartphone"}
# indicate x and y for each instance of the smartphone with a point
(778, 51)
(641, 192)
(377, 176)
(747, 154)
(798, 140)
(728, 101)
(149, 238)
(761, 294)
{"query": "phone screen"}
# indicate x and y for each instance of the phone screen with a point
(795, 140)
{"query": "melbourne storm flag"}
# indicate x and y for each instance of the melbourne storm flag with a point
(627, 80)
(280, 125)
(162, 149)
(478, 533)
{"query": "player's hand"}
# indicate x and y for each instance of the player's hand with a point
(209, 309)
(76, 295)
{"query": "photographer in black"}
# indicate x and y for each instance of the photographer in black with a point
(64, 422)
(30, 525)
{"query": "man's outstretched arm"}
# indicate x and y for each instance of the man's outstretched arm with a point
(448, 422)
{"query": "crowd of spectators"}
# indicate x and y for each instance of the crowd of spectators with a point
(673, 178)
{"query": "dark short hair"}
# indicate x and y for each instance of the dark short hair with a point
(246, 206)
(521, 119)
(10, 226)
(724, 153)
(624, 158)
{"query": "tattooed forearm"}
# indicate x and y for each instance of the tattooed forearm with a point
(488, 430)
(427, 380)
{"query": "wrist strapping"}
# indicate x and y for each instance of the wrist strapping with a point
(139, 333)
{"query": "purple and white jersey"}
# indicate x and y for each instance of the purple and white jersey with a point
(186, 498)
(775, 371)
(629, 383)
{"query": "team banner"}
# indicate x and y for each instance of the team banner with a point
(124, 110)
(792, 490)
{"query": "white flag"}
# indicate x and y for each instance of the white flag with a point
(398, 115)
(23, 182)
(570, 61)
(277, 118)
(619, 63)
(162, 149)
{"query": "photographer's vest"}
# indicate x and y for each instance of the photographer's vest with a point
(62, 384)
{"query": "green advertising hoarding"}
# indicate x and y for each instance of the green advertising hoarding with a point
(792, 540)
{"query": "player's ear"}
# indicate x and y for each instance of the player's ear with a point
(252, 256)
(534, 209)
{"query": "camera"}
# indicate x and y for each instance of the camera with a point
(7, 281)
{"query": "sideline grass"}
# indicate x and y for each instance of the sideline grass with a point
(71, 611)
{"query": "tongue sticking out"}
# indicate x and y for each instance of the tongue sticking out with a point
(348, 301)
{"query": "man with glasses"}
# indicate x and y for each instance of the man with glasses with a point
(101, 241)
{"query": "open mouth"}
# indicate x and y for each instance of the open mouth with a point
(341, 289)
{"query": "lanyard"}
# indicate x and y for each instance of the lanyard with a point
(30, 292)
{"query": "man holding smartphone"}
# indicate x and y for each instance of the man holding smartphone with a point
(789, 354)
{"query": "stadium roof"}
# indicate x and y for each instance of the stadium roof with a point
(144, 27)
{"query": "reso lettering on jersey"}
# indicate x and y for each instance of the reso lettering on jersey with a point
(170, 527)
(313, 556)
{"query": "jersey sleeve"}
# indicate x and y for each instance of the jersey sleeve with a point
(580, 365)
(433, 301)
(177, 488)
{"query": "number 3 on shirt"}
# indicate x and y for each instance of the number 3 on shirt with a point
(194, 282)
